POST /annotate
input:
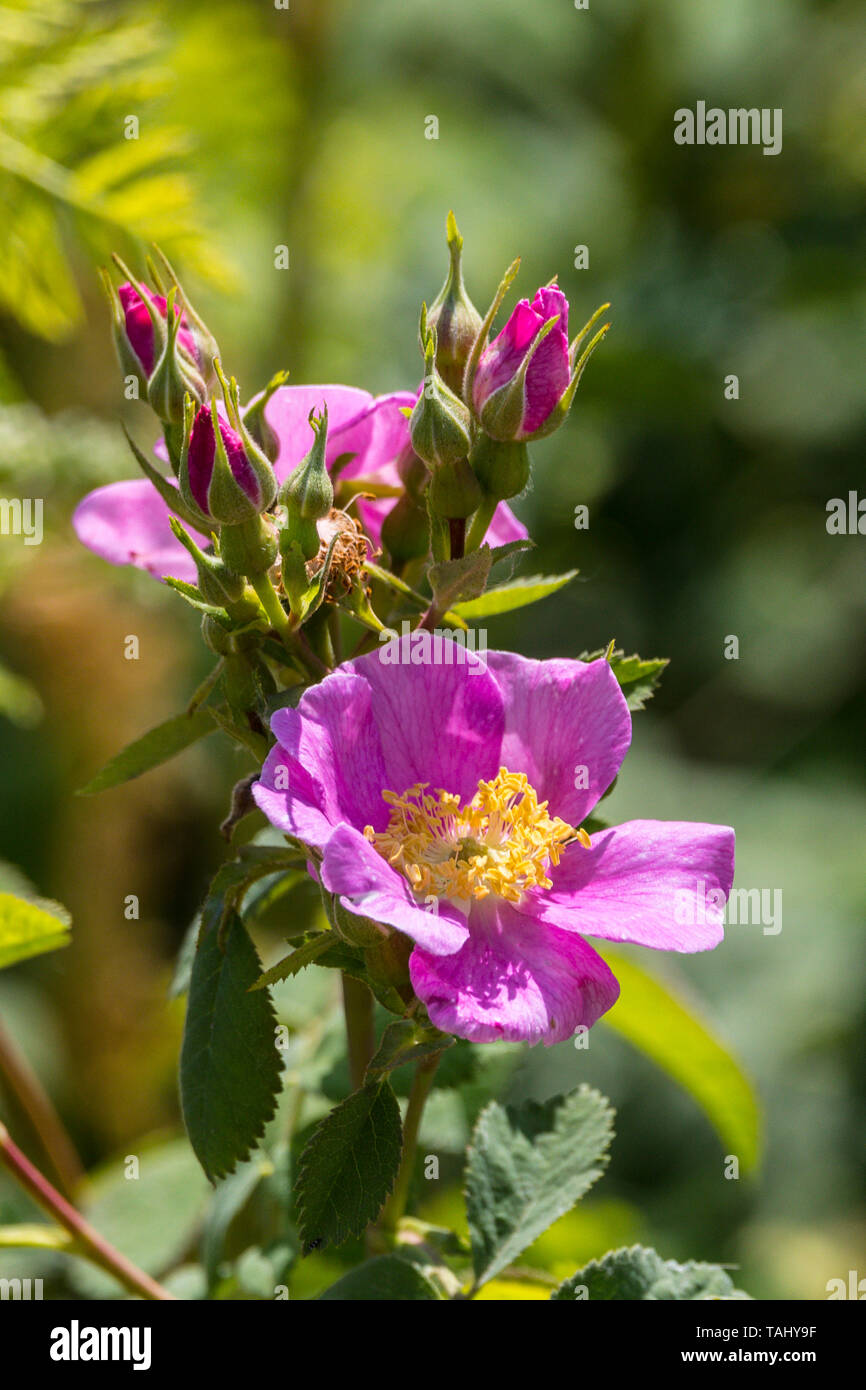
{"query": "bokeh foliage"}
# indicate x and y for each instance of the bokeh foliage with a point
(306, 128)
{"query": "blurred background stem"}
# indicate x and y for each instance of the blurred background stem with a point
(25, 1091)
(89, 1242)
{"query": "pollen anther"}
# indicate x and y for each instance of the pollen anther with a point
(502, 841)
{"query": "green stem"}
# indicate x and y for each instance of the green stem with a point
(25, 1089)
(88, 1242)
(270, 601)
(395, 1206)
(480, 523)
(360, 1033)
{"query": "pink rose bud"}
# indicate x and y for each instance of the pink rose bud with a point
(526, 378)
(139, 329)
(161, 341)
(223, 472)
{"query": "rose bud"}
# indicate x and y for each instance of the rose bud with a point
(524, 381)
(308, 493)
(222, 471)
(454, 316)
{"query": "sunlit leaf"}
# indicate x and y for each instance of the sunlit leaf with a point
(670, 1031)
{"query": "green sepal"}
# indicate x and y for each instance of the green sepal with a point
(170, 494)
(454, 316)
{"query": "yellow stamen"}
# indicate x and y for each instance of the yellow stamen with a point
(502, 841)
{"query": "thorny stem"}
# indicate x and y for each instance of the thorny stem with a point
(88, 1242)
(24, 1087)
(360, 1033)
(395, 1206)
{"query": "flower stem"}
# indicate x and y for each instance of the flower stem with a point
(88, 1241)
(24, 1087)
(361, 1036)
(270, 601)
(480, 523)
(395, 1206)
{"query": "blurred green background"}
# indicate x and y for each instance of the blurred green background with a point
(261, 127)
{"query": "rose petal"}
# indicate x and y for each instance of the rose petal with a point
(439, 722)
(328, 767)
(288, 411)
(656, 883)
(514, 979)
(127, 524)
(368, 886)
(565, 722)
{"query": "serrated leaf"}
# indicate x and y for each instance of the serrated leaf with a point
(641, 1274)
(451, 580)
(151, 750)
(518, 593)
(663, 1026)
(298, 960)
(510, 550)
(402, 1042)
(637, 677)
(230, 1067)
(30, 928)
(348, 1167)
(527, 1167)
(386, 1278)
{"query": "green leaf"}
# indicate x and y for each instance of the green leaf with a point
(465, 578)
(500, 553)
(518, 593)
(298, 960)
(341, 956)
(529, 1166)
(638, 678)
(403, 1041)
(387, 1278)
(642, 1274)
(152, 749)
(230, 1067)
(151, 1217)
(348, 1167)
(233, 880)
(254, 743)
(195, 600)
(228, 1200)
(184, 960)
(30, 928)
(668, 1030)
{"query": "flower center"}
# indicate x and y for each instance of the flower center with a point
(502, 841)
